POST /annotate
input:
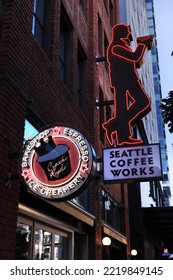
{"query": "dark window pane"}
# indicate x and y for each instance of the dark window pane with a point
(23, 241)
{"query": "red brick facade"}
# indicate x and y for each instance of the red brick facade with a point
(30, 86)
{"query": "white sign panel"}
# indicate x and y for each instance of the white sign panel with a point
(142, 163)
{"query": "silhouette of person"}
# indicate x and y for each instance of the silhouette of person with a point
(131, 102)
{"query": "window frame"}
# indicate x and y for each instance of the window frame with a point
(81, 73)
(106, 44)
(100, 36)
(65, 47)
(36, 219)
(102, 116)
(41, 19)
(110, 218)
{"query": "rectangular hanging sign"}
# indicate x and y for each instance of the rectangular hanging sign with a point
(137, 163)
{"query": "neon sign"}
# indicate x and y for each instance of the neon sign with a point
(131, 102)
(58, 163)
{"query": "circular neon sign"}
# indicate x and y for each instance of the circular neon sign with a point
(58, 163)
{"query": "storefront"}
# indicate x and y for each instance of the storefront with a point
(46, 231)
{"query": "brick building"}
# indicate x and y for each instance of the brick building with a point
(49, 75)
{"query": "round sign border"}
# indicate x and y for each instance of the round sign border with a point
(80, 180)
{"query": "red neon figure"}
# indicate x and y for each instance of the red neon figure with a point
(131, 102)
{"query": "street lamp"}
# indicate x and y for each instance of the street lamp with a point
(106, 242)
(134, 253)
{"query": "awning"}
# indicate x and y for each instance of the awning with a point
(162, 220)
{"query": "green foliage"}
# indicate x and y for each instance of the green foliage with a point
(167, 110)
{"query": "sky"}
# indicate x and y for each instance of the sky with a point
(163, 10)
(30, 130)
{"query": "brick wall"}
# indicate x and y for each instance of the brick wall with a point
(29, 83)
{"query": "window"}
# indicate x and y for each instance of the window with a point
(65, 48)
(151, 30)
(99, 35)
(108, 113)
(112, 213)
(82, 2)
(149, 5)
(49, 245)
(82, 200)
(38, 241)
(108, 116)
(154, 51)
(41, 23)
(111, 13)
(23, 241)
(150, 22)
(155, 68)
(165, 177)
(106, 44)
(81, 78)
(152, 192)
(101, 110)
(106, 4)
(1, 16)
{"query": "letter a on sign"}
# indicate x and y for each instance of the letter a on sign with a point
(131, 102)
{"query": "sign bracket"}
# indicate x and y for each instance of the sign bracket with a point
(104, 103)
